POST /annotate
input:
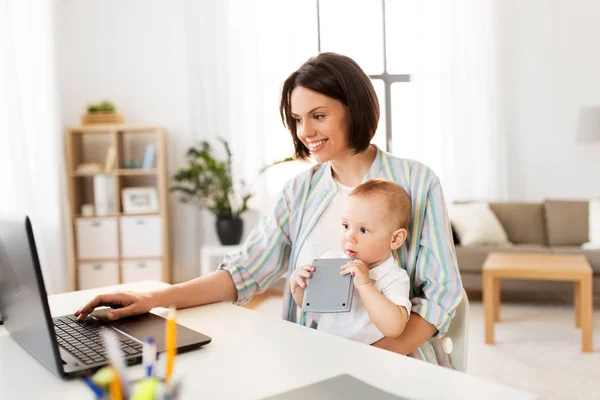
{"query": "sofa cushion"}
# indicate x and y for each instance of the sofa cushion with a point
(524, 223)
(594, 224)
(593, 256)
(470, 259)
(476, 224)
(567, 222)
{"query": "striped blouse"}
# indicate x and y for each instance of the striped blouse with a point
(271, 250)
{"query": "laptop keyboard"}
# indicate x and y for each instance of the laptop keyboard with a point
(84, 339)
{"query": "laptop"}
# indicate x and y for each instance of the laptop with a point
(67, 347)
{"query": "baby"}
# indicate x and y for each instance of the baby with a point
(375, 220)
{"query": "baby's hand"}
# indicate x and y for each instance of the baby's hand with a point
(358, 270)
(299, 277)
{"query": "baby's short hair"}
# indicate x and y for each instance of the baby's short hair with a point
(394, 195)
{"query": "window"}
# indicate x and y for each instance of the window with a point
(377, 35)
(272, 38)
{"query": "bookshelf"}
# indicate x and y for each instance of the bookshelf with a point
(117, 235)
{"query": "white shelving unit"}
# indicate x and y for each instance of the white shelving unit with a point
(117, 247)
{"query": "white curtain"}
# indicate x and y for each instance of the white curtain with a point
(448, 116)
(452, 106)
(31, 155)
(265, 41)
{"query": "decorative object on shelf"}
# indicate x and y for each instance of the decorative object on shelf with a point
(104, 195)
(103, 113)
(111, 158)
(139, 200)
(132, 164)
(149, 157)
(208, 183)
(87, 210)
(89, 168)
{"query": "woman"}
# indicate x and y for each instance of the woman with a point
(331, 109)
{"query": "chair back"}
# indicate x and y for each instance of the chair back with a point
(456, 339)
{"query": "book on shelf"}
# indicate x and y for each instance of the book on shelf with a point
(104, 195)
(149, 157)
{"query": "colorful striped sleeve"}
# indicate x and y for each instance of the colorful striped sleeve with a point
(437, 279)
(265, 254)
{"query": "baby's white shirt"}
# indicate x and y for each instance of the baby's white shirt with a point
(391, 280)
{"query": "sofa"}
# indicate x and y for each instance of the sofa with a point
(551, 226)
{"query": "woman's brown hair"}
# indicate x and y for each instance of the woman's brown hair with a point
(340, 78)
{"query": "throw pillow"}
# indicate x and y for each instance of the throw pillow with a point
(593, 225)
(476, 225)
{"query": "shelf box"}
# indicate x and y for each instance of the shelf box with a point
(141, 236)
(98, 274)
(141, 270)
(97, 238)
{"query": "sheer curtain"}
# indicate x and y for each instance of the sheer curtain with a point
(269, 39)
(449, 115)
(31, 156)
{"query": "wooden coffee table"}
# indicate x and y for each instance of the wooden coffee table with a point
(549, 267)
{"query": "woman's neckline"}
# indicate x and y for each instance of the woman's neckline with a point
(345, 188)
(363, 173)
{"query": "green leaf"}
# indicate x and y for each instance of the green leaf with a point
(207, 181)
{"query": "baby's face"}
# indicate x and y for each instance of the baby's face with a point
(366, 229)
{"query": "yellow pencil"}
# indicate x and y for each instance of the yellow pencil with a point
(171, 338)
(115, 388)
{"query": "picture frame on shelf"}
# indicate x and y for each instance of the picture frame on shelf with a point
(140, 200)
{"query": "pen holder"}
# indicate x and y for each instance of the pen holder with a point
(150, 388)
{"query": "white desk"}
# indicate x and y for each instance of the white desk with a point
(253, 355)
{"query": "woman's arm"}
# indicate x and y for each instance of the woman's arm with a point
(416, 332)
(260, 263)
(388, 317)
(436, 280)
(212, 288)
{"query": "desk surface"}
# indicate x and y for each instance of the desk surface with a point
(253, 355)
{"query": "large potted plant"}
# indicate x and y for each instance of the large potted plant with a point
(208, 183)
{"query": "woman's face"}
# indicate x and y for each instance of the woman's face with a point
(321, 124)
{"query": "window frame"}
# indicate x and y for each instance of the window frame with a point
(387, 78)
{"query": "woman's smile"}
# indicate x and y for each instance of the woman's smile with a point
(315, 147)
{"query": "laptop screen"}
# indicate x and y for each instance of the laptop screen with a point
(23, 299)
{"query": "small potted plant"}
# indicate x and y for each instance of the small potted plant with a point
(101, 113)
(208, 183)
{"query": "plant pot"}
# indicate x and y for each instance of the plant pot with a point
(230, 230)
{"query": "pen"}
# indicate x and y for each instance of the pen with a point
(95, 388)
(171, 337)
(114, 388)
(149, 355)
(116, 362)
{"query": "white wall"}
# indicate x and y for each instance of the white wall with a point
(551, 64)
(138, 55)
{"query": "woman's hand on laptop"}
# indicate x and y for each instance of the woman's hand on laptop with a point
(125, 304)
